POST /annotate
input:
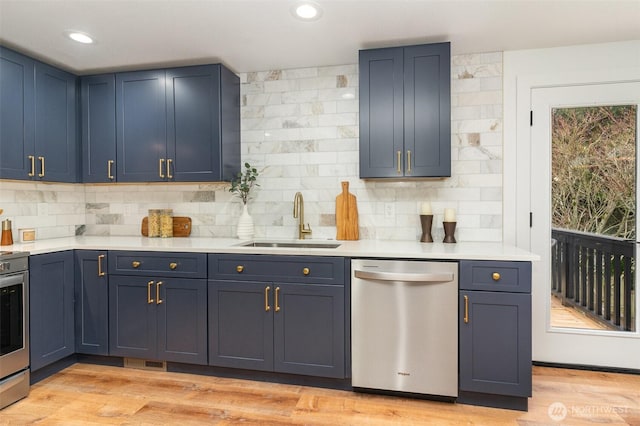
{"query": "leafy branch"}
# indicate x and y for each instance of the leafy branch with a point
(242, 184)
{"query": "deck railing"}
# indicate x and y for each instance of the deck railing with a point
(595, 273)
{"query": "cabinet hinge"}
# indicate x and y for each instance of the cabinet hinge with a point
(530, 219)
(531, 118)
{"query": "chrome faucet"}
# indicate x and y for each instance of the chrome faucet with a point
(298, 212)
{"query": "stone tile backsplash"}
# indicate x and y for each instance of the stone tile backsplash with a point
(300, 129)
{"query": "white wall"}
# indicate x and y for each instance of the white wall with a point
(300, 129)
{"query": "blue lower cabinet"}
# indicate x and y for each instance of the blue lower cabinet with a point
(51, 287)
(158, 318)
(91, 302)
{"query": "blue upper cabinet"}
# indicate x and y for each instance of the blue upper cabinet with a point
(56, 131)
(405, 112)
(180, 124)
(16, 114)
(38, 132)
(98, 128)
(141, 132)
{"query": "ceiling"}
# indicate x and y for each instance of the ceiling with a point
(258, 35)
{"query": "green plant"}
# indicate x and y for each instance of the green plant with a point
(242, 184)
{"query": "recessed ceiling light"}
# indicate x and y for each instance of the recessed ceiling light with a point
(79, 37)
(306, 11)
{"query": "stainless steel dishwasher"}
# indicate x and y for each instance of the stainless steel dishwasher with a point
(404, 326)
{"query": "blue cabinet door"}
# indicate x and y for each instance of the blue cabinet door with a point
(405, 112)
(98, 97)
(193, 123)
(182, 320)
(91, 302)
(132, 317)
(381, 116)
(495, 343)
(16, 115)
(141, 126)
(427, 110)
(309, 329)
(241, 324)
(51, 312)
(56, 133)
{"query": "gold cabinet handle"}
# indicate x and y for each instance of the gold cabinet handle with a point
(173, 265)
(495, 276)
(306, 271)
(149, 299)
(408, 161)
(161, 168)
(158, 300)
(399, 169)
(101, 272)
(110, 170)
(277, 297)
(135, 264)
(466, 309)
(267, 308)
(239, 269)
(41, 174)
(169, 165)
(32, 159)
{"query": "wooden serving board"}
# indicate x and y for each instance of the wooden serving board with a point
(181, 226)
(346, 215)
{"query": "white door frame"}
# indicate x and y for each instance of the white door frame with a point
(518, 146)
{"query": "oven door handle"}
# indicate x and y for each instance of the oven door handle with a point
(6, 281)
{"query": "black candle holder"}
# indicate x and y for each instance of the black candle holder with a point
(426, 220)
(449, 230)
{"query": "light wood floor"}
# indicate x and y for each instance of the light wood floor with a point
(566, 316)
(85, 394)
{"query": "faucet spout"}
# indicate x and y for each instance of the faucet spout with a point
(298, 212)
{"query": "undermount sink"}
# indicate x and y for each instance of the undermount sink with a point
(290, 244)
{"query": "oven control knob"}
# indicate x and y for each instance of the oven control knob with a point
(4, 266)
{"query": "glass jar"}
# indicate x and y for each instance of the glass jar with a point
(166, 223)
(154, 222)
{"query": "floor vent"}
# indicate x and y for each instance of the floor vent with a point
(144, 364)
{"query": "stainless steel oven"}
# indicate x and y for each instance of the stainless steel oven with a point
(14, 327)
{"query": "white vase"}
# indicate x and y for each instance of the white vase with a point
(245, 225)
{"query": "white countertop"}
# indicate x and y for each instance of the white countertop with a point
(361, 248)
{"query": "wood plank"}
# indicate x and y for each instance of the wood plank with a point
(86, 394)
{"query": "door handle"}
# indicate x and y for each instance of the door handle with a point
(41, 174)
(101, 273)
(32, 159)
(149, 299)
(158, 300)
(399, 169)
(109, 170)
(466, 309)
(267, 308)
(169, 164)
(277, 296)
(161, 168)
(408, 162)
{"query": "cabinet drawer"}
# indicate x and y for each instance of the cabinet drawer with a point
(298, 269)
(514, 277)
(184, 265)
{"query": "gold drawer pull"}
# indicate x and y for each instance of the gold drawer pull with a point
(409, 162)
(277, 297)
(399, 169)
(41, 174)
(101, 272)
(267, 308)
(135, 264)
(306, 271)
(495, 276)
(109, 170)
(239, 269)
(149, 299)
(173, 265)
(32, 159)
(169, 165)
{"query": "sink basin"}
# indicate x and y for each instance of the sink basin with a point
(290, 244)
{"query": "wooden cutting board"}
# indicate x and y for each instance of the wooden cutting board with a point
(346, 215)
(181, 226)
